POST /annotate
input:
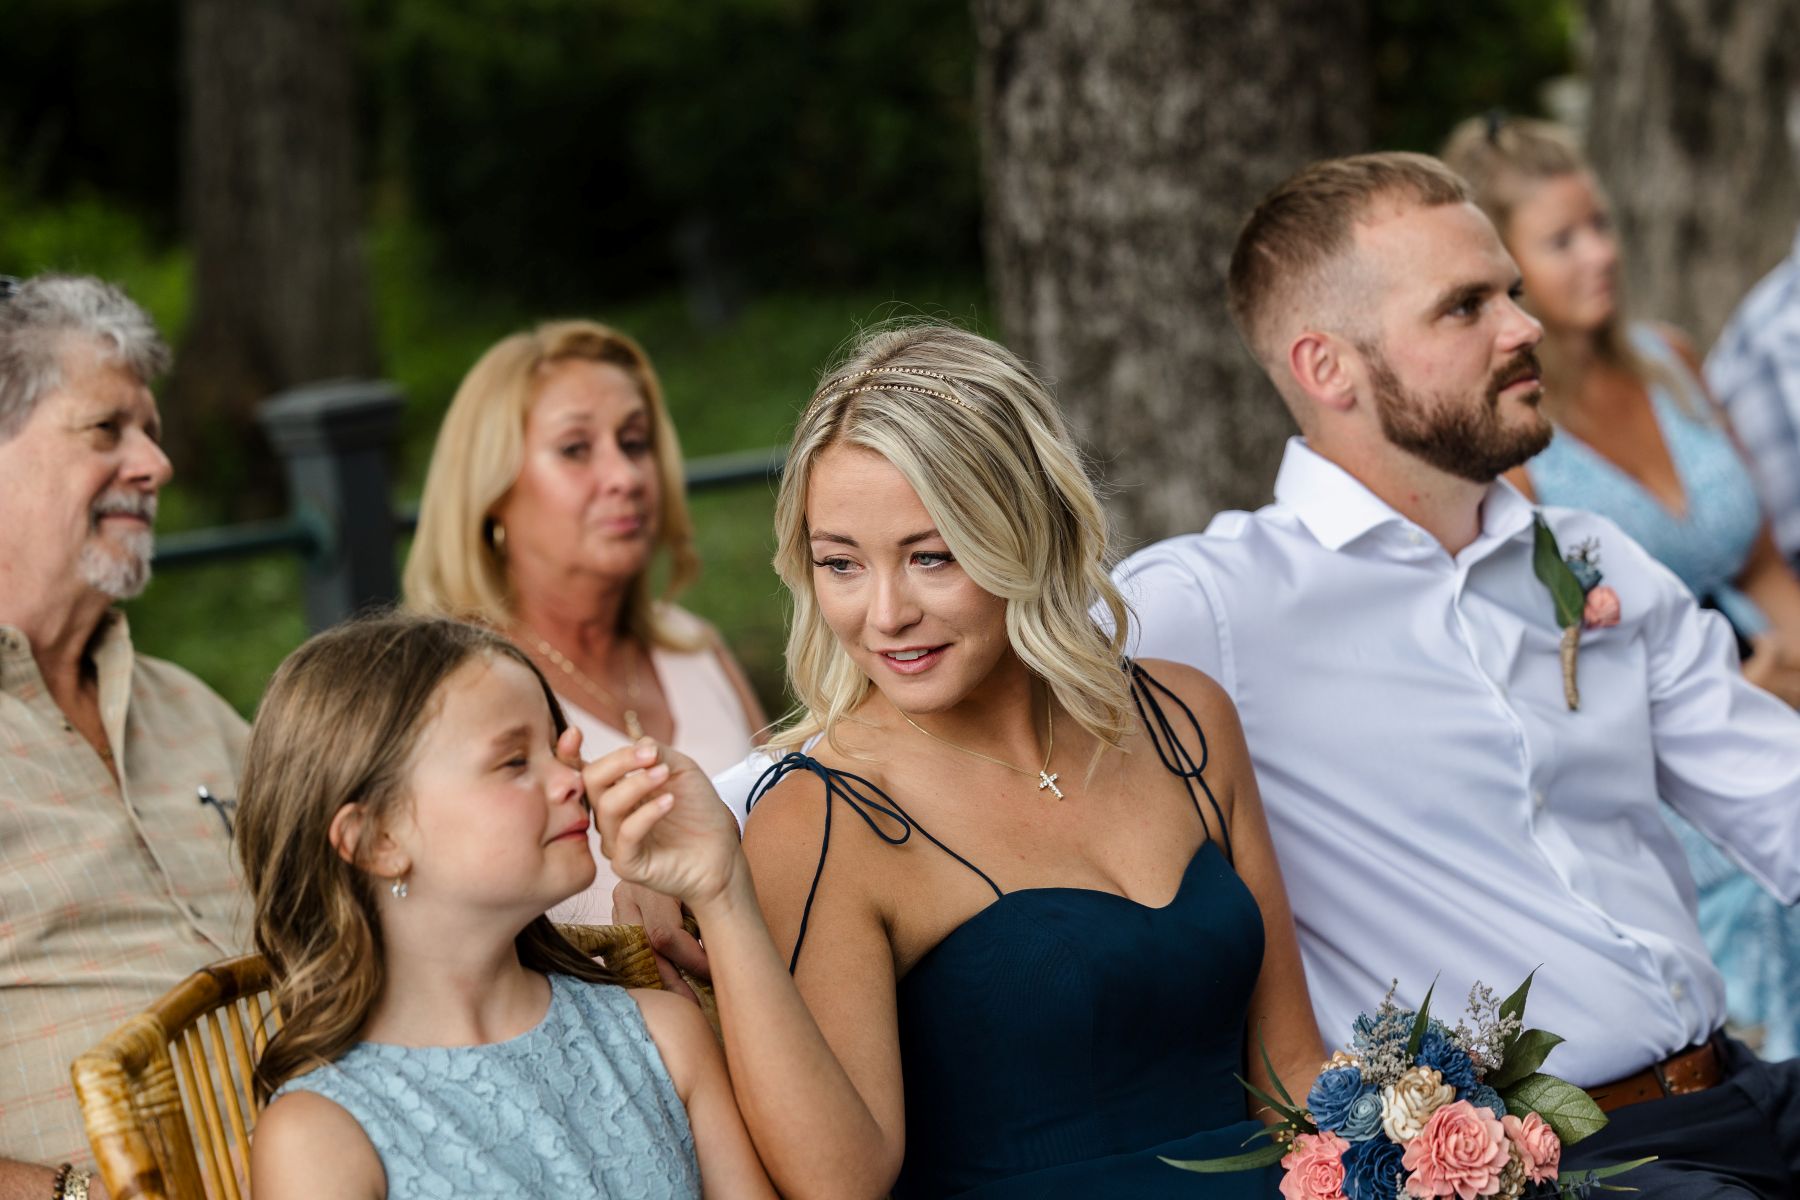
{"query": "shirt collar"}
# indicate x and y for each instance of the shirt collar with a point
(1337, 508)
(110, 649)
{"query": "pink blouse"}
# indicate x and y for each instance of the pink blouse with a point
(711, 728)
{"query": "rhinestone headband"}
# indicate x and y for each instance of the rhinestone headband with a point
(839, 391)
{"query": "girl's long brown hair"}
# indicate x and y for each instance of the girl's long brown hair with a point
(338, 726)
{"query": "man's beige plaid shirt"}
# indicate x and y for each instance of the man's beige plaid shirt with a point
(108, 896)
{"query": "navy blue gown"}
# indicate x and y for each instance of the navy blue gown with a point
(1062, 1039)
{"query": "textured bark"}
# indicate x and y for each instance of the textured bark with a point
(281, 291)
(1687, 130)
(1125, 141)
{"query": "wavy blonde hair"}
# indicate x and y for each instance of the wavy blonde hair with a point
(1504, 160)
(338, 726)
(455, 568)
(978, 437)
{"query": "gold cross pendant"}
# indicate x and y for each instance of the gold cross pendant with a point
(1046, 780)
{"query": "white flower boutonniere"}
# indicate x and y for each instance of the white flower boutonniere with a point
(1581, 601)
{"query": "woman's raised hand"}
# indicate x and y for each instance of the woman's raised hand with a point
(661, 824)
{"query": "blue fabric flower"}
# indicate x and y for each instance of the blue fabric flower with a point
(1372, 1170)
(1483, 1096)
(1363, 1119)
(1332, 1095)
(1437, 1051)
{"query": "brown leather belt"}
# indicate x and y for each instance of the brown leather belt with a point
(1692, 1070)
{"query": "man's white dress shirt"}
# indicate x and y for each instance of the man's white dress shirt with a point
(1438, 810)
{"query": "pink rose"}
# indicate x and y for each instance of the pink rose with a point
(1461, 1152)
(1538, 1146)
(1315, 1167)
(1602, 608)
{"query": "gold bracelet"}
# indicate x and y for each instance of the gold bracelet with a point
(71, 1183)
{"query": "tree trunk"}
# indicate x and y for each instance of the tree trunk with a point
(1125, 141)
(1687, 131)
(281, 291)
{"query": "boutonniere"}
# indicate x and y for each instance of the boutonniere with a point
(1581, 602)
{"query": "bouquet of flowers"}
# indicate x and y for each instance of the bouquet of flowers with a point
(1417, 1109)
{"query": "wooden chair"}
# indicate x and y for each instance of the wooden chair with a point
(167, 1097)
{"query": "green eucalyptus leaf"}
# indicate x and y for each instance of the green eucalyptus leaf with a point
(1514, 1005)
(1287, 1112)
(1568, 1110)
(1263, 1049)
(1420, 1024)
(1262, 1156)
(1574, 1184)
(1619, 1169)
(1524, 1055)
(1553, 572)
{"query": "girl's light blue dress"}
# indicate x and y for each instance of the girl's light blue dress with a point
(579, 1106)
(1753, 937)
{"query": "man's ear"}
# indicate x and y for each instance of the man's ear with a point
(1324, 367)
(351, 829)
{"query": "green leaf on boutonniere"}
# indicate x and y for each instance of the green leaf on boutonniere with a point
(1568, 1110)
(1526, 1054)
(1249, 1160)
(1553, 572)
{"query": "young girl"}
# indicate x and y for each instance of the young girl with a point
(408, 814)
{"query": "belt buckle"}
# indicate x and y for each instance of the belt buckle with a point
(1680, 1087)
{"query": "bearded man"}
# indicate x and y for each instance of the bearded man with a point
(1463, 778)
(116, 876)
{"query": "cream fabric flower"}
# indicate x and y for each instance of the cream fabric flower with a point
(1408, 1103)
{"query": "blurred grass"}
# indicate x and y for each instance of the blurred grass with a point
(732, 388)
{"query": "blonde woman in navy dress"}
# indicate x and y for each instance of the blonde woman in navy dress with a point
(1024, 888)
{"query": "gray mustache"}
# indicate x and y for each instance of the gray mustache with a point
(125, 504)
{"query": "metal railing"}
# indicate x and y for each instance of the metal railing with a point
(335, 442)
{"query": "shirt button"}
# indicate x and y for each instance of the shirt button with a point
(1538, 799)
(1676, 990)
(1415, 537)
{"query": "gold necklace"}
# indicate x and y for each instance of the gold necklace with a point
(634, 728)
(1046, 778)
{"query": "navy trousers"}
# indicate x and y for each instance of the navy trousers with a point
(1739, 1139)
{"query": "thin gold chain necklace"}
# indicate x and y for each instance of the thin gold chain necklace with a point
(1046, 778)
(634, 728)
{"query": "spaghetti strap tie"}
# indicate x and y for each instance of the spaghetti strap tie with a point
(1173, 751)
(879, 811)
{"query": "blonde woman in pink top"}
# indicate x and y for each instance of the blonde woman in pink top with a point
(554, 488)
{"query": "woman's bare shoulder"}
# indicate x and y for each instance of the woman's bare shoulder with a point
(1194, 687)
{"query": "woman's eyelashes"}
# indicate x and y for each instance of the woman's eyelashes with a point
(925, 559)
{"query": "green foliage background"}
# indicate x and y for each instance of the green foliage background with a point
(738, 183)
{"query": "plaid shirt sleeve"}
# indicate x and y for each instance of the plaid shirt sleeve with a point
(1754, 370)
(110, 893)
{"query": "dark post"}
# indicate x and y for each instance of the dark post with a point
(335, 441)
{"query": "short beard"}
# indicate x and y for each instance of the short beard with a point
(1458, 438)
(121, 571)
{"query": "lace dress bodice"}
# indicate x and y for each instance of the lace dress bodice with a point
(579, 1106)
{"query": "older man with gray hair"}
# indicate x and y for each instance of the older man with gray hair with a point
(116, 876)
